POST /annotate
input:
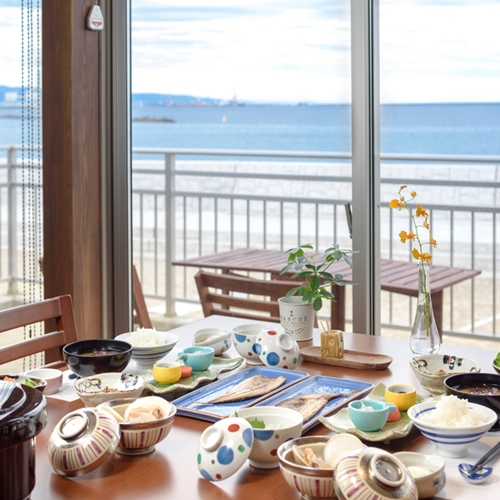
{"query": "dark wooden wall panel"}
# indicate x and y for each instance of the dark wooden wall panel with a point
(72, 161)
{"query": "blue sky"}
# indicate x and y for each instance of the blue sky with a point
(299, 50)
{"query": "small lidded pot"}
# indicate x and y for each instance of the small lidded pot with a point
(372, 474)
(23, 415)
(404, 396)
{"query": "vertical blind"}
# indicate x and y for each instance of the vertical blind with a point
(31, 162)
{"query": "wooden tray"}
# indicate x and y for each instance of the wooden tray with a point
(352, 359)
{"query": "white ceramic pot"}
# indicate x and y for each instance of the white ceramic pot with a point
(297, 317)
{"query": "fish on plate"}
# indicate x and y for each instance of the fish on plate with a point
(310, 404)
(258, 385)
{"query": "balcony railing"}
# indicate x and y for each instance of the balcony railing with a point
(195, 202)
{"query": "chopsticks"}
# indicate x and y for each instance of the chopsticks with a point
(485, 458)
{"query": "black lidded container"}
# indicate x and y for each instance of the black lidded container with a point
(23, 415)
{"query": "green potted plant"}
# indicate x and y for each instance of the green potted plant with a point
(298, 306)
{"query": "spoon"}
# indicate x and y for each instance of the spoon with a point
(477, 473)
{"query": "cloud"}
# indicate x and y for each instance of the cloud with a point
(299, 50)
(430, 50)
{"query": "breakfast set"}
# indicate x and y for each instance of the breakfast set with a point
(134, 387)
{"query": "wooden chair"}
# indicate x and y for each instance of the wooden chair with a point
(141, 315)
(216, 293)
(59, 310)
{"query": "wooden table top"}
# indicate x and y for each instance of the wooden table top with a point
(171, 471)
(395, 275)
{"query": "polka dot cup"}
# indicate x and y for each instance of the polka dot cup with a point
(224, 448)
(277, 349)
(279, 425)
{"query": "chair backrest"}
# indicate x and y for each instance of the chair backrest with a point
(141, 315)
(57, 311)
(217, 295)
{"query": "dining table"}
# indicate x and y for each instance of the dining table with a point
(396, 276)
(171, 471)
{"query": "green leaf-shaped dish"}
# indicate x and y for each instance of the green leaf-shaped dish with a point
(218, 366)
(340, 422)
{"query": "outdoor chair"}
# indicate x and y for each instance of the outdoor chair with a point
(141, 315)
(241, 296)
(58, 312)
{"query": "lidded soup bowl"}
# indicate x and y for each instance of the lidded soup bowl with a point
(244, 338)
(375, 473)
(274, 426)
(82, 441)
(277, 349)
(140, 438)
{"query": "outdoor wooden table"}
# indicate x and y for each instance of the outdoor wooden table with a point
(171, 471)
(395, 276)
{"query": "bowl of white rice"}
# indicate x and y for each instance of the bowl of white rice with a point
(149, 345)
(452, 424)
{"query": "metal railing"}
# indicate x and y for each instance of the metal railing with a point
(216, 200)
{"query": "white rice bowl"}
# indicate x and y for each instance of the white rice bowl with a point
(454, 412)
(149, 345)
(451, 426)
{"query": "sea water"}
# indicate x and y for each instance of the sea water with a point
(454, 129)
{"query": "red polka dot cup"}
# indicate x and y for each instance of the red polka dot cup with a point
(244, 337)
(271, 426)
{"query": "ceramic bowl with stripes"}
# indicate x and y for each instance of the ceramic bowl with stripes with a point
(373, 474)
(139, 438)
(82, 441)
(451, 441)
(310, 482)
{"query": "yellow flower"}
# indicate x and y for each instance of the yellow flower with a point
(432, 241)
(423, 257)
(426, 222)
(396, 204)
(421, 211)
(404, 186)
(407, 236)
(413, 194)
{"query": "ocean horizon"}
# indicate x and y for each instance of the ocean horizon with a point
(454, 129)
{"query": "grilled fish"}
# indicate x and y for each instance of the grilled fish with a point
(310, 404)
(252, 387)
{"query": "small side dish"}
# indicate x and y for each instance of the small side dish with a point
(35, 382)
(143, 422)
(108, 386)
(53, 377)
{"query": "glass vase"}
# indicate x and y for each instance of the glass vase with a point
(424, 338)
